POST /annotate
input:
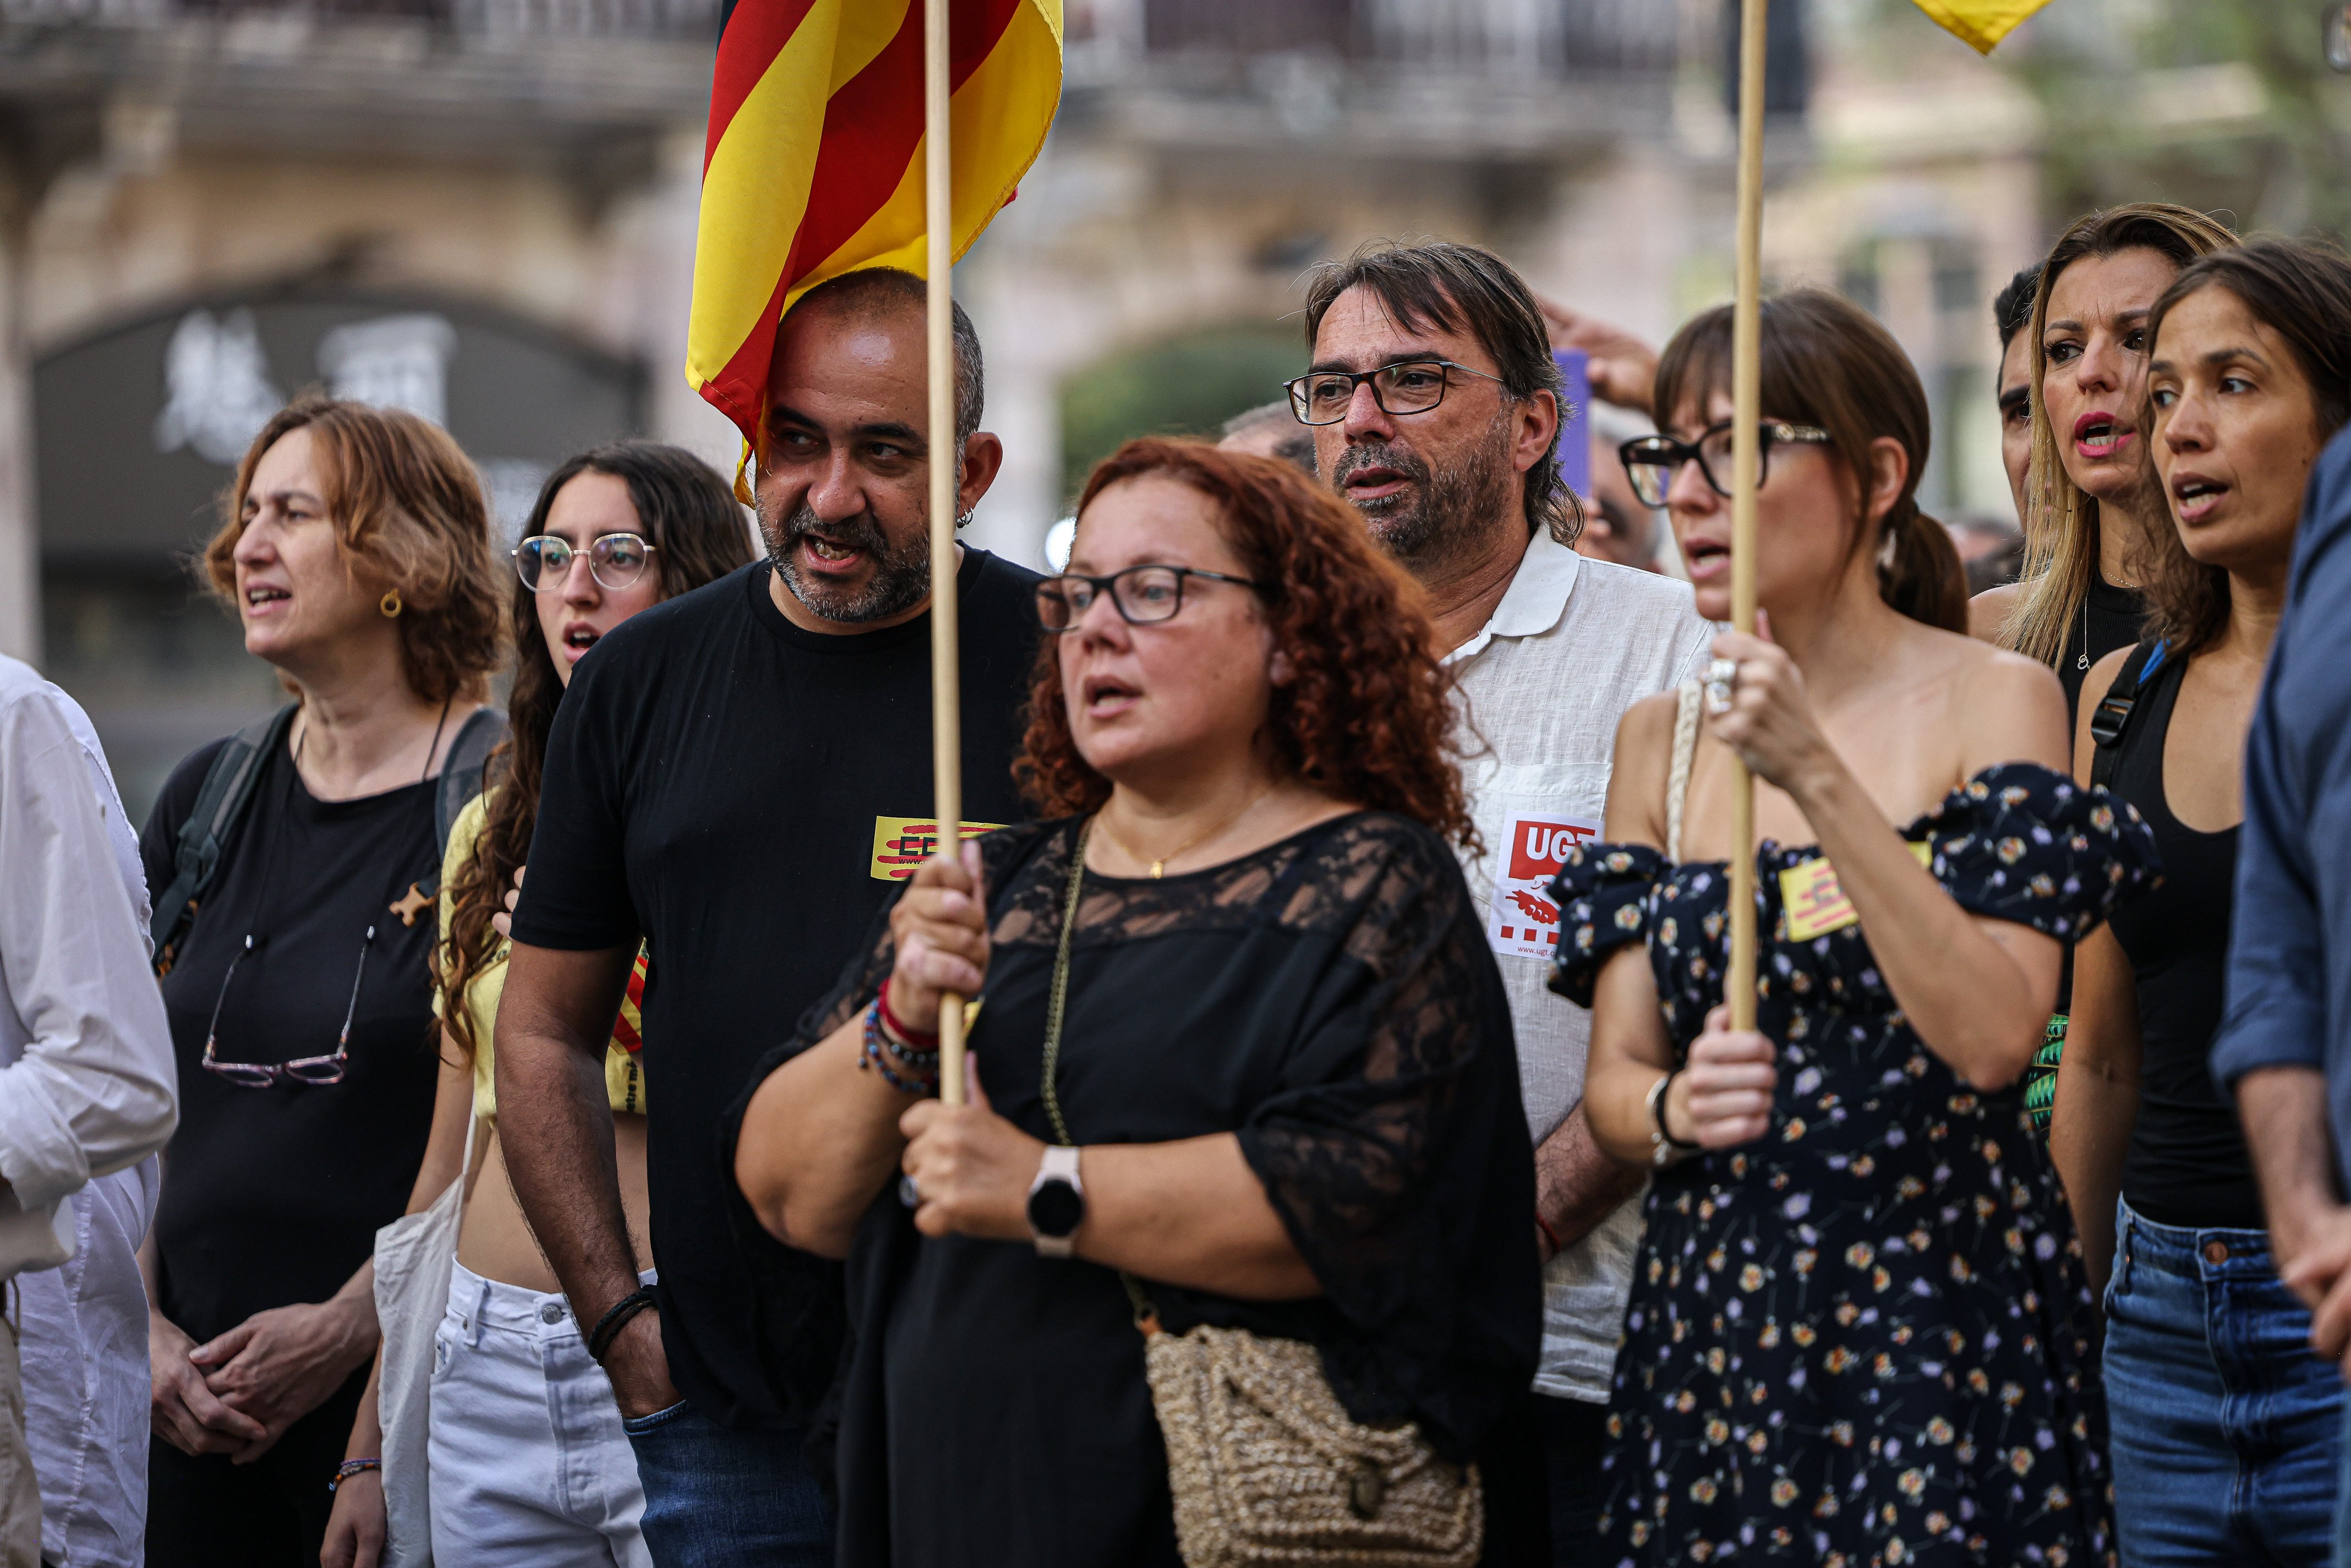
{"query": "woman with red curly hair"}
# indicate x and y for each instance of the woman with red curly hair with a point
(1245, 1057)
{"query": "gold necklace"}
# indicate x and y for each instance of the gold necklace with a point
(1159, 866)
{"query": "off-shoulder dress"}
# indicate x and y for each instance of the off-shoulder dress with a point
(1864, 1338)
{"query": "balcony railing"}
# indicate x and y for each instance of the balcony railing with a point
(693, 20)
(1481, 37)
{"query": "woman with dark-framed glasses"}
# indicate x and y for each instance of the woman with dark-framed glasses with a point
(356, 549)
(1243, 1058)
(527, 1463)
(1859, 1330)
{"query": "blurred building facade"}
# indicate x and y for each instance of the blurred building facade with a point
(484, 210)
(479, 210)
(1209, 151)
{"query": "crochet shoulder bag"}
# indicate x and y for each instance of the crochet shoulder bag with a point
(1266, 1465)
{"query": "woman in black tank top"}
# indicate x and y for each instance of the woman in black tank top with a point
(2225, 1424)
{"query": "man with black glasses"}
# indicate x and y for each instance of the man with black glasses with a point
(1437, 407)
(740, 776)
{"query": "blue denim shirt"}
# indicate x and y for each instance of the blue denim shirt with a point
(2289, 997)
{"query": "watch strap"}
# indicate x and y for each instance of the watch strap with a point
(1059, 1165)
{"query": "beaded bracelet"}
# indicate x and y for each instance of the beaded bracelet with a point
(878, 1050)
(351, 1468)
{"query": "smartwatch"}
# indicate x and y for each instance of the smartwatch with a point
(1057, 1202)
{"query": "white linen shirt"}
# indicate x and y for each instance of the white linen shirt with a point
(87, 1083)
(83, 1343)
(1572, 644)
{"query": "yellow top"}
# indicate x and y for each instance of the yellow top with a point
(624, 1077)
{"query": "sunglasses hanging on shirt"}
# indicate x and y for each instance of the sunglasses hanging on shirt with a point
(318, 1071)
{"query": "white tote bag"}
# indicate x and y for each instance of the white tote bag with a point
(413, 1259)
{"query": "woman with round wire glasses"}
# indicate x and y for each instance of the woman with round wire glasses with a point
(615, 531)
(355, 550)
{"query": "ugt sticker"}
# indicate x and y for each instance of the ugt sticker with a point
(1523, 923)
(903, 843)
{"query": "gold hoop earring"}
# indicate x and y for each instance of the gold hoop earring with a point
(390, 604)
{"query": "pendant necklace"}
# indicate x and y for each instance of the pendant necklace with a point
(2084, 662)
(1159, 866)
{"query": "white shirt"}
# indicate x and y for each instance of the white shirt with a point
(1572, 644)
(91, 1073)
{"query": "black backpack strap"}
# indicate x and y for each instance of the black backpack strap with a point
(2111, 716)
(462, 774)
(221, 800)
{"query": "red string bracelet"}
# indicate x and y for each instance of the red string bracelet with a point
(1549, 1235)
(921, 1038)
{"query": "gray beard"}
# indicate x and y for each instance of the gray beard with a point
(1445, 517)
(901, 577)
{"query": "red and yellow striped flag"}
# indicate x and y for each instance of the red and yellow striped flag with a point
(814, 165)
(1983, 23)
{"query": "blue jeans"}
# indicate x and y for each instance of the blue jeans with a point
(717, 1497)
(2227, 1427)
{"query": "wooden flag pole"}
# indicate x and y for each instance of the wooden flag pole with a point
(1746, 396)
(947, 693)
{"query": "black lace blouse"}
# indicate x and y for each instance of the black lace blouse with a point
(1328, 998)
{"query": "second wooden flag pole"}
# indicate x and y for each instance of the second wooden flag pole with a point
(1746, 397)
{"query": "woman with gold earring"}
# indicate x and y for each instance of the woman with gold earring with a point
(355, 549)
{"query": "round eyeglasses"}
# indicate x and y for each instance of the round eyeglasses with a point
(615, 560)
(1145, 595)
(1407, 386)
(1652, 461)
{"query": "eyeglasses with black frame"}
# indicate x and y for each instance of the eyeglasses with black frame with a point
(1407, 386)
(1652, 461)
(615, 560)
(318, 1071)
(1143, 595)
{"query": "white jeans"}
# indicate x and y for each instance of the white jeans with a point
(529, 1466)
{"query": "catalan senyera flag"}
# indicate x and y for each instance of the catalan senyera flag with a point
(814, 166)
(1983, 23)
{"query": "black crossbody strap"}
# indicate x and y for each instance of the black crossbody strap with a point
(221, 800)
(2111, 716)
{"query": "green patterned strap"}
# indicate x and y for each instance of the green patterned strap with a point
(2041, 1078)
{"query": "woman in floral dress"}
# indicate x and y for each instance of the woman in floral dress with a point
(1859, 1331)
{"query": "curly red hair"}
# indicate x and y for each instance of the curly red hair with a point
(1367, 715)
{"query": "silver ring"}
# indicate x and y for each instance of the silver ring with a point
(908, 1193)
(1721, 679)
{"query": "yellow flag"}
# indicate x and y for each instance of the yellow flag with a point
(1983, 23)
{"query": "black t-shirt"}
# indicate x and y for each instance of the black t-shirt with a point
(273, 1196)
(2187, 1165)
(1330, 1000)
(743, 795)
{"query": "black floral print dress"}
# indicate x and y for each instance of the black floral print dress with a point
(1864, 1338)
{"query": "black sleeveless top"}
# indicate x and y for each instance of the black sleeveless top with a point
(2186, 1164)
(2109, 619)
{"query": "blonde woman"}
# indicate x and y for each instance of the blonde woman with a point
(2090, 494)
(2092, 500)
